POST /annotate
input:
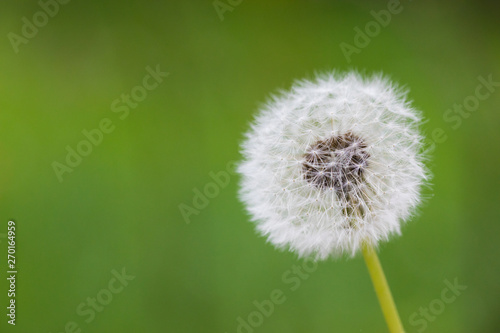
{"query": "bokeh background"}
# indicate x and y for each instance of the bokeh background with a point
(120, 207)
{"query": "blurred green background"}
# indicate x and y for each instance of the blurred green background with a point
(120, 207)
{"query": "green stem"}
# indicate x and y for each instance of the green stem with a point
(382, 289)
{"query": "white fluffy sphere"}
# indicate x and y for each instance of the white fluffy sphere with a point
(333, 163)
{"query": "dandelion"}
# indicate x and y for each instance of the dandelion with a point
(333, 167)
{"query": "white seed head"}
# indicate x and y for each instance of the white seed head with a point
(333, 163)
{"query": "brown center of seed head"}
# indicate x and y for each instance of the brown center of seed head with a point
(338, 163)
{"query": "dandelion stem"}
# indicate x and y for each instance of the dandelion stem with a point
(382, 289)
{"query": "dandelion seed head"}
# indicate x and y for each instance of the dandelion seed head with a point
(333, 163)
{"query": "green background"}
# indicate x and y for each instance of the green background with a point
(119, 208)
